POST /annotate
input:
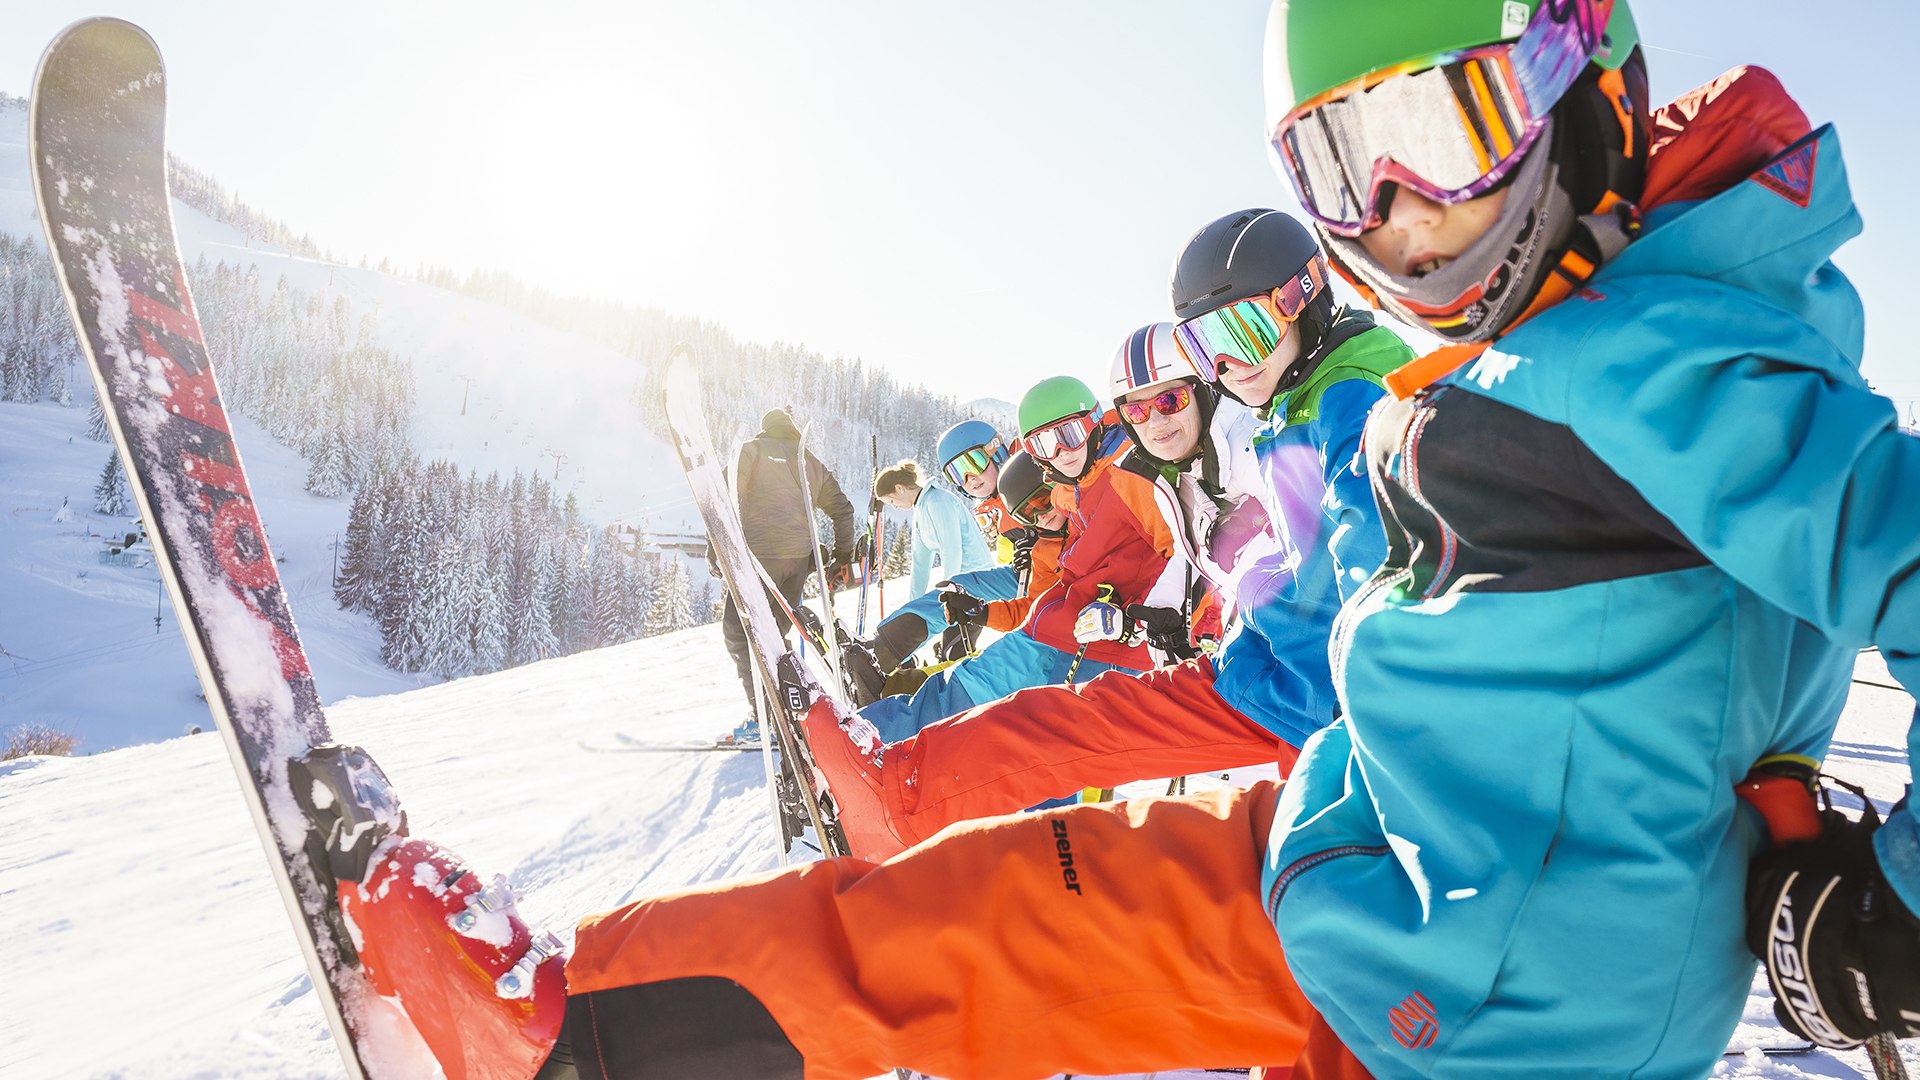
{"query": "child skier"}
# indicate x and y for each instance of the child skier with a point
(1072, 631)
(1643, 511)
(1315, 371)
(971, 453)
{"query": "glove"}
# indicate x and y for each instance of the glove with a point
(840, 568)
(874, 505)
(1166, 630)
(1842, 952)
(1023, 540)
(713, 563)
(1100, 621)
(963, 608)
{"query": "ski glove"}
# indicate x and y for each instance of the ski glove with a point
(1842, 952)
(1166, 629)
(1100, 621)
(1022, 540)
(963, 608)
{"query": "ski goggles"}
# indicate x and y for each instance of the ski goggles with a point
(1057, 438)
(1449, 126)
(1032, 507)
(972, 462)
(1249, 330)
(1167, 402)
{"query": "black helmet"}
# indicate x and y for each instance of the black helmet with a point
(1021, 479)
(1245, 254)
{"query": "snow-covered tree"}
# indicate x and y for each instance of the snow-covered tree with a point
(110, 494)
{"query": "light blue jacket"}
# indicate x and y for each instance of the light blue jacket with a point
(945, 532)
(1519, 853)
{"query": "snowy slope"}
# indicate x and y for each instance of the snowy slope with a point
(78, 647)
(145, 938)
(535, 398)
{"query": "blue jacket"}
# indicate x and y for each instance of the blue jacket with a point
(1631, 550)
(1273, 665)
(944, 532)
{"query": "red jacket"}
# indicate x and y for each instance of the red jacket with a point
(1115, 536)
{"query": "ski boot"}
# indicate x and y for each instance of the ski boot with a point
(486, 993)
(865, 681)
(745, 733)
(849, 756)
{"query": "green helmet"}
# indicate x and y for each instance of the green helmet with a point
(1055, 399)
(1316, 45)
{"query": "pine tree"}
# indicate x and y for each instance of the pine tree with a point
(110, 495)
(672, 602)
(97, 422)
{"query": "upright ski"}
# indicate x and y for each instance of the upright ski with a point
(323, 812)
(801, 678)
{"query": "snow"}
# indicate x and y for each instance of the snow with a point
(134, 890)
(494, 391)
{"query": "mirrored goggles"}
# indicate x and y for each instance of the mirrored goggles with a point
(971, 463)
(1249, 330)
(1450, 126)
(1057, 438)
(1033, 507)
(1167, 402)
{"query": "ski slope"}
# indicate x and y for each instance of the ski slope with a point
(145, 939)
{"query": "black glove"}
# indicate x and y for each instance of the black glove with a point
(1839, 947)
(963, 608)
(874, 505)
(1023, 540)
(1166, 630)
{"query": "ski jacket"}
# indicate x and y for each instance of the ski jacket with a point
(1273, 665)
(773, 509)
(1213, 503)
(1005, 615)
(945, 533)
(1632, 549)
(1115, 536)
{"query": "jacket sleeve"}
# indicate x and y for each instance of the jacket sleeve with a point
(925, 541)
(828, 496)
(1355, 540)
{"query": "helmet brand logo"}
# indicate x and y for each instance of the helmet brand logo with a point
(1414, 1024)
(1513, 18)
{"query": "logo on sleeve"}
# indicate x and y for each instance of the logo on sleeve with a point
(1414, 1024)
(1790, 175)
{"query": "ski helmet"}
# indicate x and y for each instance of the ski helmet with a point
(1024, 483)
(1548, 104)
(969, 447)
(1055, 399)
(1250, 254)
(1150, 357)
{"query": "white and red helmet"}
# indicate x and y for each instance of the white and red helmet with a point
(1149, 357)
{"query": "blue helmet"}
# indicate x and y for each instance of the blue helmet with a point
(965, 436)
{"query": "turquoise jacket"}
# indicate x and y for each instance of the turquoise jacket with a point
(945, 533)
(1631, 550)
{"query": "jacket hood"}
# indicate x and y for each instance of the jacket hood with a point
(1771, 225)
(778, 425)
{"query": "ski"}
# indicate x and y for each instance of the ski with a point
(794, 683)
(324, 813)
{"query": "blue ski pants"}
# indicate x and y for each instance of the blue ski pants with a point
(1014, 661)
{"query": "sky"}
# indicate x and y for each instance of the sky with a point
(975, 196)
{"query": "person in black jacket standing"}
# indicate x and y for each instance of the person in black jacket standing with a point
(773, 513)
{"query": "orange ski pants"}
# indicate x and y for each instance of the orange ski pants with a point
(1094, 939)
(1049, 741)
